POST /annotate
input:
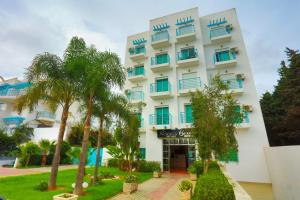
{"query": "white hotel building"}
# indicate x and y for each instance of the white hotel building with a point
(180, 53)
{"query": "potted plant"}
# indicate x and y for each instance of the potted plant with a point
(185, 188)
(193, 172)
(130, 184)
(65, 196)
(157, 172)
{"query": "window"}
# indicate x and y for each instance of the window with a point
(162, 85)
(162, 58)
(139, 116)
(188, 53)
(222, 56)
(140, 49)
(162, 115)
(139, 70)
(188, 113)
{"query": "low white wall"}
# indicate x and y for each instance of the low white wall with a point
(45, 133)
(284, 165)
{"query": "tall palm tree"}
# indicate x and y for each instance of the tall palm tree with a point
(104, 108)
(52, 84)
(97, 73)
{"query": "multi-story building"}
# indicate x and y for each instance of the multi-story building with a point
(45, 123)
(181, 53)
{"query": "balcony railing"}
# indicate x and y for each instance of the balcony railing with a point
(45, 114)
(234, 83)
(164, 87)
(137, 50)
(189, 83)
(185, 55)
(224, 56)
(184, 30)
(11, 92)
(164, 119)
(164, 35)
(186, 118)
(136, 96)
(135, 72)
(14, 120)
(218, 32)
(244, 120)
(158, 60)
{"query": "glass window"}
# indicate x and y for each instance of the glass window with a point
(188, 113)
(162, 115)
(162, 85)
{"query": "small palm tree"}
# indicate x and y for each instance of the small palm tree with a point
(45, 146)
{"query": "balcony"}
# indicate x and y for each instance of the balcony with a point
(244, 123)
(137, 53)
(136, 74)
(220, 34)
(142, 126)
(160, 63)
(45, 117)
(187, 57)
(159, 122)
(135, 97)
(160, 90)
(8, 95)
(160, 39)
(186, 33)
(13, 121)
(188, 85)
(186, 120)
(225, 58)
(235, 86)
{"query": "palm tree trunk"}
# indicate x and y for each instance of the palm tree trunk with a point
(81, 167)
(56, 158)
(44, 159)
(98, 151)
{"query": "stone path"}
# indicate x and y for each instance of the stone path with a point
(5, 172)
(165, 188)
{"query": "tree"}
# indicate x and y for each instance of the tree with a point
(52, 84)
(22, 134)
(96, 73)
(281, 109)
(27, 151)
(104, 107)
(215, 116)
(45, 147)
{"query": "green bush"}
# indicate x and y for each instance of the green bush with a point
(64, 153)
(113, 162)
(106, 175)
(148, 166)
(213, 186)
(185, 185)
(42, 186)
(27, 151)
(131, 179)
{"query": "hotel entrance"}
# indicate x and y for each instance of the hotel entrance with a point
(178, 154)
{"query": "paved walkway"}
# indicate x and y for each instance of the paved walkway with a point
(165, 188)
(5, 172)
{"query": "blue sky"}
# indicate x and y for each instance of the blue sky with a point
(34, 26)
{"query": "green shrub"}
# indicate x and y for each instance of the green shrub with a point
(64, 153)
(213, 186)
(148, 166)
(113, 162)
(27, 151)
(185, 185)
(42, 186)
(131, 179)
(104, 175)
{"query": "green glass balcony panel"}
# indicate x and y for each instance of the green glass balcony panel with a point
(45, 114)
(137, 50)
(219, 31)
(234, 83)
(161, 116)
(163, 35)
(188, 53)
(135, 96)
(188, 113)
(183, 30)
(244, 119)
(189, 83)
(138, 70)
(160, 59)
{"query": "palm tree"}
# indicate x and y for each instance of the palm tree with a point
(52, 84)
(97, 73)
(45, 146)
(103, 109)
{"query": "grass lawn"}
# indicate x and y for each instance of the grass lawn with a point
(22, 187)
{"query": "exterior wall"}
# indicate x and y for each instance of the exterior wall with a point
(252, 165)
(284, 171)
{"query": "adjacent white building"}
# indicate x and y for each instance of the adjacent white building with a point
(45, 123)
(180, 53)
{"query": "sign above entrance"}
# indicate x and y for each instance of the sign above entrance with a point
(173, 133)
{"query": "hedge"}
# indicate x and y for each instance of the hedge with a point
(113, 162)
(213, 186)
(148, 166)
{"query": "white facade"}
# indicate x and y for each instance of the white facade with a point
(45, 123)
(219, 50)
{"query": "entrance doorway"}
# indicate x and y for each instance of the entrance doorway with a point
(178, 154)
(178, 158)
